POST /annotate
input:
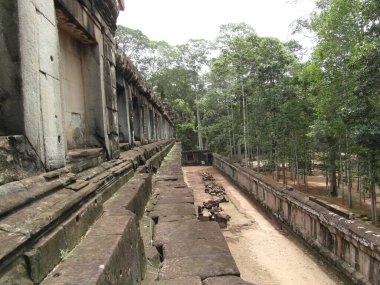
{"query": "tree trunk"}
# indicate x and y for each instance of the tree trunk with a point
(291, 167)
(283, 173)
(244, 127)
(257, 158)
(306, 170)
(200, 141)
(341, 174)
(358, 189)
(297, 170)
(233, 134)
(348, 172)
(333, 191)
(372, 189)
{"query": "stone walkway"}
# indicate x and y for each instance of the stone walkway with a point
(192, 252)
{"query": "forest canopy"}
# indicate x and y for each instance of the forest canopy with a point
(252, 98)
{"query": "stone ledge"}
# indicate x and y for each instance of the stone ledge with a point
(24, 227)
(351, 245)
(111, 253)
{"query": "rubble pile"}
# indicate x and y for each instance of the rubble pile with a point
(211, 211)
(207, 176)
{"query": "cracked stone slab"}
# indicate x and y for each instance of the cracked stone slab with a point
(226, 280)
(167, 232)
(203, 266)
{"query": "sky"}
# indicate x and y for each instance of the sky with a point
(177, 21)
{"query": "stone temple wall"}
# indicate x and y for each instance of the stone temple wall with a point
(80, 135)
(350, 245)
(64, 88)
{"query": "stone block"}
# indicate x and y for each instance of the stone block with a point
(48, 50)
(203, 266)
(111, 253)
(174, 200)
(47, 9)
(46, 254)
(183, 209)
(76, 227)
(132, 196)
(52, 122)
(185, 230)
(9, 242)
(175, 218)
(196, 247)
(16, 274)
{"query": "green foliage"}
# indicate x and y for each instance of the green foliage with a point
(187, 135)
(324, 107)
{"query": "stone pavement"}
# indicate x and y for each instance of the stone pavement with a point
(192, 252)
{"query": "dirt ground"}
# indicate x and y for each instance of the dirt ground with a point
(264, 253)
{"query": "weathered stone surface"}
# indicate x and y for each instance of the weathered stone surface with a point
(110, 254)
(18, 160)
(191, 280)
(17, 194)
(46, 254)
(31, 219)
(170, 184)
(17, 274)
(177, 248)
(78, 185)
(161, 200)
(183, 209)
(173, 192)
(175, 218)
(203, 266)
(9, 241)
(132, 196)
(226, 280)
(76, 226)
(166, 178)
(185, 230)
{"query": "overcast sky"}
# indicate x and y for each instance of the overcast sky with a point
(177, 21)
